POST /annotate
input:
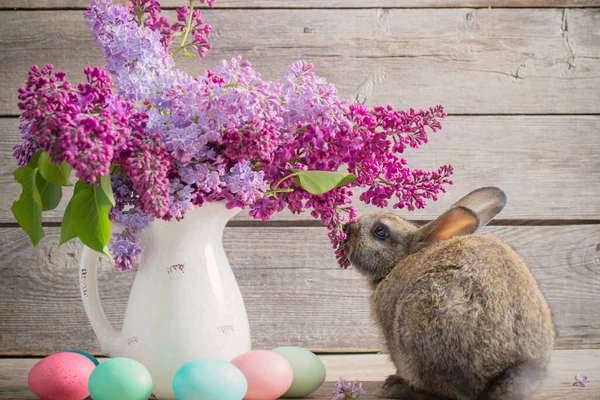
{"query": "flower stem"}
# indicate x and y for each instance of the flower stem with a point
(385, 181)
(286, 178)
(235, 84)
(273, 192)
(188, 29)
(139, 13)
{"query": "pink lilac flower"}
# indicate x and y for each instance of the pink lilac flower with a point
(147, 164)
(148, 13)
(84, 127)
(347, 390)
(199, 30)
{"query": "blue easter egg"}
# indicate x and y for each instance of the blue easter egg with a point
(209, 380)
(85, 353)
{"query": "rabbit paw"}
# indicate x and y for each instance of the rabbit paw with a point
(395, 387)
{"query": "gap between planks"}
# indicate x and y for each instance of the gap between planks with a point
(318, 224)
(171, 8)
(474, 5)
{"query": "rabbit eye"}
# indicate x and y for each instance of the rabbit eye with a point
(381, 232)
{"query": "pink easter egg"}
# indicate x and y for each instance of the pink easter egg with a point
(269, 375)
(61, 376)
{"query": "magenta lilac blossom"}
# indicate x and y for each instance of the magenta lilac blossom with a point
(171, 141)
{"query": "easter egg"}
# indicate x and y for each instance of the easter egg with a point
(309, 370)
(61, 376)
(120, 378)
(269, 374)
(209, 380)
(85, 353)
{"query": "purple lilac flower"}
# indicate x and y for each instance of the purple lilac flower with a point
(28, 146)
(139, 62)
(185, 143)
(225, 135)
(244, 185)
(265, 207)
(124, 248)
(347, 390)
(580, 380)
(180, 199)
(134, 220)
(211, 181)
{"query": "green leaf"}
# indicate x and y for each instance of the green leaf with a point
(27, 210)
(33, 163)
(187, 53)
(106, 186)
(67, 227)
(54, 173)
(89, 212)
(36, 193)
(48, 194)
(319, 182)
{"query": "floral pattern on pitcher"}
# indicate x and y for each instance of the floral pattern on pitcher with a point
(176, 271)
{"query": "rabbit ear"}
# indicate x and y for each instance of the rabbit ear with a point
(486, 203)
(466, 216)
(454, 222)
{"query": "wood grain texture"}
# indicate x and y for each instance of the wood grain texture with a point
(370, 369)
(564, 366)
(294, 292)
(548, 166)
(49, 4)
(474, 61)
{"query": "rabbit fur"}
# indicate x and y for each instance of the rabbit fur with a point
(461, 315)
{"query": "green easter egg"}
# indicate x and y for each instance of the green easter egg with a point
(309, 371)
(120, 378)
(85, 353)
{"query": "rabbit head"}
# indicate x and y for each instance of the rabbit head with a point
(377, 242)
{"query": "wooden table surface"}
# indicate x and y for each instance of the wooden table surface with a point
(371, 369)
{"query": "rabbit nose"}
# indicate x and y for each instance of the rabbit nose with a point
(349, 227)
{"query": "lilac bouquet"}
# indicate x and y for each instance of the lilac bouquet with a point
(147, 140)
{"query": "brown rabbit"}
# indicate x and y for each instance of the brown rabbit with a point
(462, 315)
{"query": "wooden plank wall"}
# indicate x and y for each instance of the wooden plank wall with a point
(521, 80)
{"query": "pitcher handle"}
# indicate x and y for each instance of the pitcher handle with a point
(88, 285)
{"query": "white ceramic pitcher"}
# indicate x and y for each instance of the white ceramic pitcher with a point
(185, 303)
